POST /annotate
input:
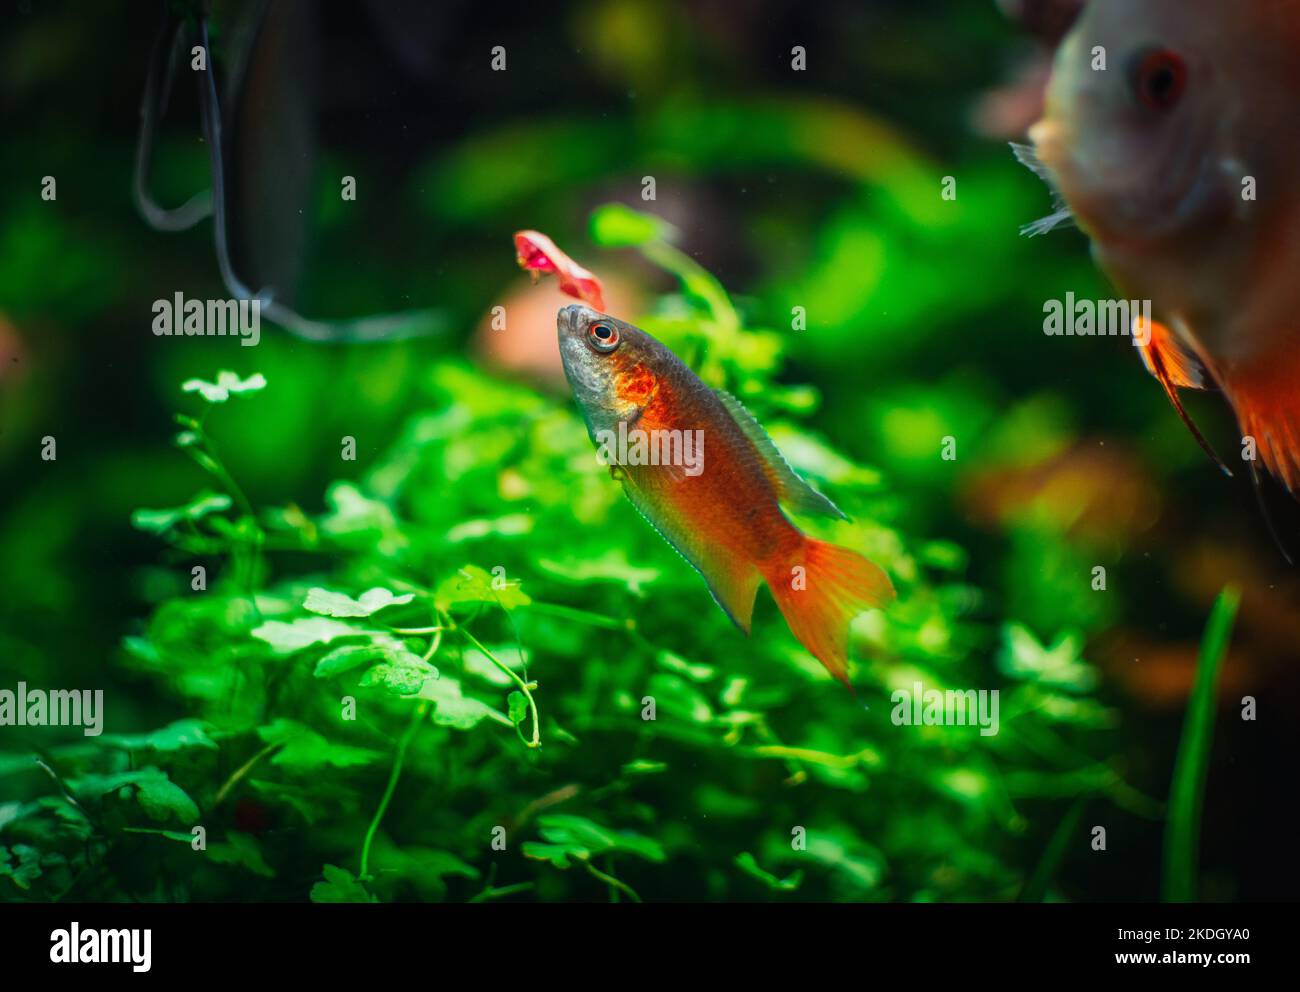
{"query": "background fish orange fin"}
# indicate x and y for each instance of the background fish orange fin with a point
(1184, 369)
(734, 583)
(837, 585)
(791, 491)
(1174, 365)
(1266, 398)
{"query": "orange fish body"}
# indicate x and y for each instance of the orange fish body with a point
(712, 483)
(1169, 133)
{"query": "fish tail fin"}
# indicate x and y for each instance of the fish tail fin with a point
(820, 588)
(1266, 399)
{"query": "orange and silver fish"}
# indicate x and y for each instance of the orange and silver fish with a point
(721, 504)
(1175, 159)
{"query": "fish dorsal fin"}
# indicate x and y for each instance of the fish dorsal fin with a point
(791, 490)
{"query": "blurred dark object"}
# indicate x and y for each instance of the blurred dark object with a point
(1010, 110)
(261, 137)
(1047, 20)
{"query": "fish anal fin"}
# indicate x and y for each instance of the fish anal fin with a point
(1174, 366)
(734, 589)
(733, 581)
(791, 491)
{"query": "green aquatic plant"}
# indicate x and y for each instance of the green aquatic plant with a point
(473, 673)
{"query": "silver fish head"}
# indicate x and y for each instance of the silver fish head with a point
(610, 365)
(1137, 135)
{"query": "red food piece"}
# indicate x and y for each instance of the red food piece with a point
(536, 252)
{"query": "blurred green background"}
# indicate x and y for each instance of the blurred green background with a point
(818, 189)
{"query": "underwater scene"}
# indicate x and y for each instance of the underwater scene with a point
(624, 451)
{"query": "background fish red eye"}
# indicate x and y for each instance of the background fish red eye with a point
(1160, 79)
(602, 337)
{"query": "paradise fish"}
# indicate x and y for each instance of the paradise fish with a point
(1175, 160)
(722, 512)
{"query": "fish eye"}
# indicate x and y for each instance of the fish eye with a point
(1159, 78)
(602, 337)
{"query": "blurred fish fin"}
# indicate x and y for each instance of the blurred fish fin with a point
(734, 589)
(1174, 365)
(1027, 156)
(1161, 349)
(820, 602)
(1060, 216)
(791, 491)
(1045, 225)
(1266, 398)
(1258, 486)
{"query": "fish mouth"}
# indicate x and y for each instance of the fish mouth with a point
(1155, 202)
(574, 354)
(566, 321)
(571, 319)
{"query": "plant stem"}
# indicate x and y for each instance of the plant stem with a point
(696, 280)
(612, 882)
(582, 616)
(417, 717)
(240, 772)
(524, 687)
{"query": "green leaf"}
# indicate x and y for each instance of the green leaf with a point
(403, 673)
(162, 799)
(1061, 665)
(243, 850)
(517, 707)
(345, 658)
(10, 813)
(614, 225)
(339, 886)
(336, 604)
(22, 866)
(381, 648)
(676, 697)
(477, 663)
(286, 638)
(453, 709)
(173, 737)
(556, 854)
(612, 565)
(473, 585)
(305, 750)
(579, 834)
(694, 672)
(227, 384)
(746, 863)
(643, 767)
(1187, 793)
(161, 521)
